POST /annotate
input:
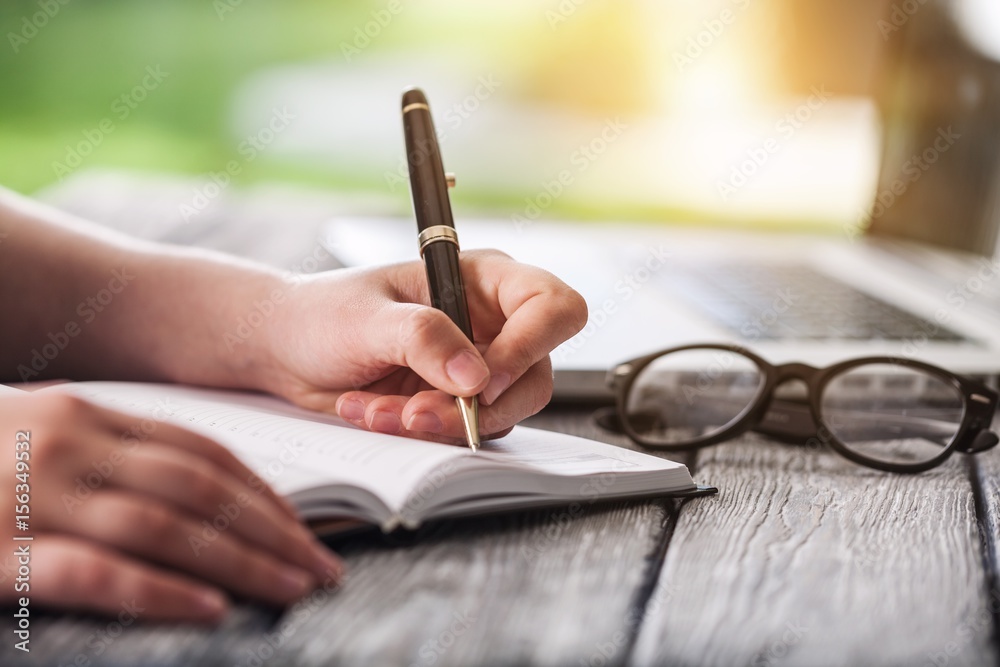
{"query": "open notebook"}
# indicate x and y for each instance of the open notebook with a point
(331, 470)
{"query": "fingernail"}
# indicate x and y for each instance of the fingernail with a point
(384, 421)
(428, 422)
(212, 603)
(466, 370)
(498, 384)
(351, 410)
(294, 582)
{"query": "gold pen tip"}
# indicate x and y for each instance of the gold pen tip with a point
(468, 408)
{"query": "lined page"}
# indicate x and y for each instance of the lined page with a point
(290, 448)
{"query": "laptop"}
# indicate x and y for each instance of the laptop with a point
(921, 281)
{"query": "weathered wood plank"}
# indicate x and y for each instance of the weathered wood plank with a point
(552, 587)
(986, 475)
(807, 559)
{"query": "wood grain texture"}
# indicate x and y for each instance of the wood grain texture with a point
(549, 587)
(803, 559)
(807, 559)
(986, 475)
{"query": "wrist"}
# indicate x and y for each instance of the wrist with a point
(253, 338)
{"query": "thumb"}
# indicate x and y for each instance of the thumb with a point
(425, 340)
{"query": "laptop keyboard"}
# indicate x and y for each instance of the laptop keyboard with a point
(761, 302)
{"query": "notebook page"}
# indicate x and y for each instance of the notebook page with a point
(532, 468)
(290, 448)
(567, 455)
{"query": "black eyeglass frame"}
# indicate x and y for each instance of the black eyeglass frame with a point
(973, 436)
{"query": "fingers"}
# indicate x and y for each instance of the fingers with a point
(529, 394)
(427, 341)
(185, 481)
(433, 414)
(133, 432)
(155, 532)
(70, 573)
(526, 396)
(541, 311)
(163, 497)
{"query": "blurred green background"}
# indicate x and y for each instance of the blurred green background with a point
(585, 61)
(65, 79)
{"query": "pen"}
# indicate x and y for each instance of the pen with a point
(437, 237)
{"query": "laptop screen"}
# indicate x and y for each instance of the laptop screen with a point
(939, 99)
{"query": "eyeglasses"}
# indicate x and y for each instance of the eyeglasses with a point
(888, 413)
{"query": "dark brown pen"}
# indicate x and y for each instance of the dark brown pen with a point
(437, 237)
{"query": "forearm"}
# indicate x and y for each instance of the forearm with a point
(81, 302)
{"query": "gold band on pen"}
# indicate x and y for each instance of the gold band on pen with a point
(437, 233)
(415, 105)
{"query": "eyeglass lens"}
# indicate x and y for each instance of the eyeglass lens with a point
(883, 412)
(890, 413)
(692, 394)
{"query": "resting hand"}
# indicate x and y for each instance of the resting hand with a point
(365, 344)
(118, 517)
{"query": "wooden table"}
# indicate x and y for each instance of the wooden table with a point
(802, 559)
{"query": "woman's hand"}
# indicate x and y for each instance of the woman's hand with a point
(119, 516)
(365, 344)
